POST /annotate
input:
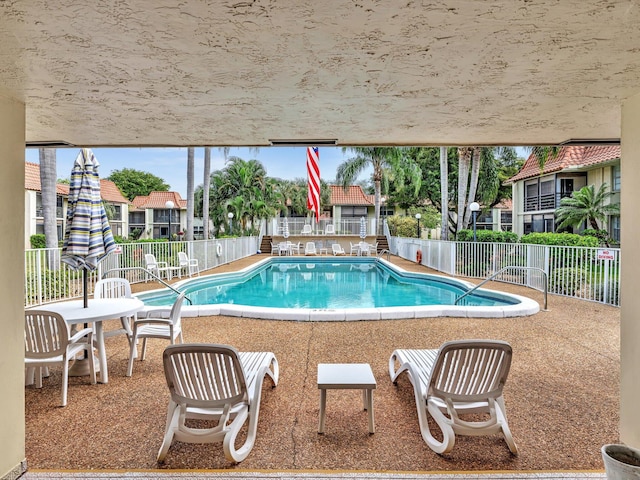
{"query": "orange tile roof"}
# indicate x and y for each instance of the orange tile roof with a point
(110, 192)
(32, 179)
(573, 156)
(157, 200)
(353, 196)
(505, 204)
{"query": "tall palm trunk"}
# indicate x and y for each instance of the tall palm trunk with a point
(48, 195)
(464, 159)
(476, 158)
(205, 192)
(190, 192)
(444, 193)
(377, 177)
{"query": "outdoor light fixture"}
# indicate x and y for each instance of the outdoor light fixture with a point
(418, 217)
(474, 207)
(169, 206)
(230, 215)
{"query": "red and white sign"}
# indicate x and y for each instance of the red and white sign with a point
(605, 254)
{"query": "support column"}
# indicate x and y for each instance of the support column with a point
(630, 261)
(12, 425)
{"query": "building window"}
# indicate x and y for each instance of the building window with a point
(117, 212)
(539, 223)
(615, 178)
(614, 230)
(354, 211)
(39, 205)
(136, 218)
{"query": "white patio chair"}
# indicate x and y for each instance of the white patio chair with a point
(354, 248)
(155, 267)
(283, 248)
(295, 247)
(274, 248)
(306, 230)
(337, 249)
(364, 249)
(47, 342)
(156, 327)
(463, 376)
(116, 288)
(310, 248)
(216, 383)
(189, 264)
(330, 229)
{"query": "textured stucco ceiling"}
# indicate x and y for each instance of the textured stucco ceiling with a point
(196, 72)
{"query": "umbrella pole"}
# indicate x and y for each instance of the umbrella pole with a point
(85, 289)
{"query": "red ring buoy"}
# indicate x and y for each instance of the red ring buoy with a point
(419, 256)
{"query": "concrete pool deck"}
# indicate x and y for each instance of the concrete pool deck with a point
(561, 398)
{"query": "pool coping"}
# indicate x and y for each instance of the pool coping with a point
(526, 307)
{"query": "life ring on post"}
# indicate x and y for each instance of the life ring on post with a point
(218, 249)
(419, 256)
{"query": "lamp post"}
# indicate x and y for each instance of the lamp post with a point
(230, 215)
(474, 207)
(169, 206)
(418, 217)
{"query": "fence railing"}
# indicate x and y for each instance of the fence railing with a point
(47, 279)
(581, 272)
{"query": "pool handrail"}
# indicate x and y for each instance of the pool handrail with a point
(494, 275)
(124, 269)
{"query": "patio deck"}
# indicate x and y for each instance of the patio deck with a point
(562, 401)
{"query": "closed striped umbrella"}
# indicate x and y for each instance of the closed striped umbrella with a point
(88, 236)
(285, 228)
(363, 228)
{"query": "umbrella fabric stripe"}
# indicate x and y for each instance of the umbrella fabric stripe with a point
(88, 236)
(313, 177)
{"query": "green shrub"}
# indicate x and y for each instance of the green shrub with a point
(403, 226)
(560, 239)
(601, 235)
(119, 239)
(566, 281)
(487, 236)
(38, 240)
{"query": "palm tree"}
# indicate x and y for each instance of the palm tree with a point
(382, 159)
(586, 205)
(190, 187)
(206, 192)
(48, 195)
(444, 194)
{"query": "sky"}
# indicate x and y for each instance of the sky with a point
(170, 164)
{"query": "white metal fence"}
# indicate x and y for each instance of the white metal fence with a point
(582, 272)
(47, 279)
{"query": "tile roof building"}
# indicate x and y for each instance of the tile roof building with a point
(537, 192)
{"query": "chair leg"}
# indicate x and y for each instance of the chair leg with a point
(132, 352)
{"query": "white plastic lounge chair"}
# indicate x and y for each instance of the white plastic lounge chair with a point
(189, 264)
(330, 229)
(464, 376)
(47, 342)
(156, 327)
(218, 383)
(156, 267)
(116, 288)
(310, 248)
(337, 249)
(306, 230)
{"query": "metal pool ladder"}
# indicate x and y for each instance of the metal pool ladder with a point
(153, 275)
(494, 275)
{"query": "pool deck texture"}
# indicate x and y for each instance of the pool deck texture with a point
(562, 399)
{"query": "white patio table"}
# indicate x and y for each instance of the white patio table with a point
(98, 310)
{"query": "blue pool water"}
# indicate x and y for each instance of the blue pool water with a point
(327, 284)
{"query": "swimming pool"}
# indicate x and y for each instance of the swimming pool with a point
(327, 288)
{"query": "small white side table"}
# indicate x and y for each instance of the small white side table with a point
(346, 376)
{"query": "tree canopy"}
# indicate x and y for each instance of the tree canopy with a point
(133, 182)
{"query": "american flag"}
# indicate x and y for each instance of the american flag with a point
(313, 180)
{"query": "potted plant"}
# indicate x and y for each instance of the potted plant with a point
(621, 462)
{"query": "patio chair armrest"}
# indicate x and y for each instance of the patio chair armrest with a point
(153, 321)
(85, 332)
